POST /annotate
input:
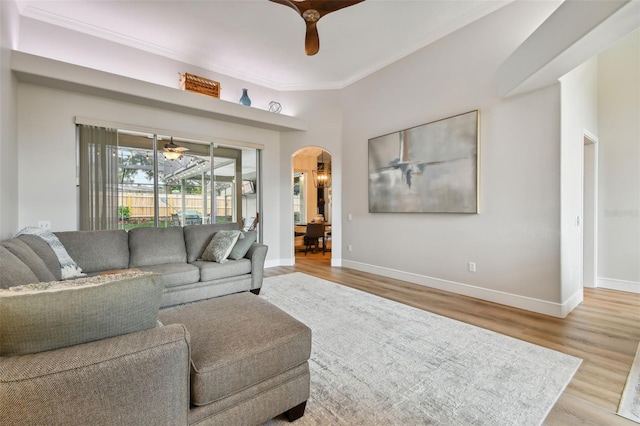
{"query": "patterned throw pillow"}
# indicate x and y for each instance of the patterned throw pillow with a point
(220, 246)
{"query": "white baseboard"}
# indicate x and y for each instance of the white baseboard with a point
(290, 262)
(545, 307)
(571, 303)
(278, 262)
(622, 285)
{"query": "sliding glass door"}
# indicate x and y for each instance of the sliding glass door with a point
(191, 183)
(184, 183)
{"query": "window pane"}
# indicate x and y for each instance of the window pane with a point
(249, 189)
(299, 213)
(183, 183)
(135, 180)
(226, 170)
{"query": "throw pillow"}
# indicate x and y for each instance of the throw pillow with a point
(243, 245)
(44, 316)
(220, 246)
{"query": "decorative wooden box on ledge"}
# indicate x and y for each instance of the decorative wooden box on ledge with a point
(195, 83)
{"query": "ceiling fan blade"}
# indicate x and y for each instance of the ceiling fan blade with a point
(311, 40)
(288, 3)
(328, 6)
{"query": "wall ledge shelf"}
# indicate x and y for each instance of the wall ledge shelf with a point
(65, 76)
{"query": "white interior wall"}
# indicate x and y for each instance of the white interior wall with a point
(47, 152)
(9, 25)
(619, 165)
(515, 240)
(322, 111)
(51, 41)
(579, 113)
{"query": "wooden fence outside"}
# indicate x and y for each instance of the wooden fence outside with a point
(141, 205)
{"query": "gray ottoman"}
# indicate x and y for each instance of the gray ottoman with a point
(249, 360)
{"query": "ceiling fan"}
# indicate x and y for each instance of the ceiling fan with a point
(311, 11)
(171, 151)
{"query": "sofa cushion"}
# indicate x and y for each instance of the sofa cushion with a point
(238, 341)
(68, 267)
(197, 237)
(220, 246)
(175, 274)
(243, 245)
(155, 246)
(44, 252)
(96, 251)
(135, 379)
(14, 272)
(213, 270)
(29, 257)
(44, 316)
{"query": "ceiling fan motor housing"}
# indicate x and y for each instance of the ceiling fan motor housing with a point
(311, 15)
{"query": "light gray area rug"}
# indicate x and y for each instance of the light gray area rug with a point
(630, 402)
(379, 362)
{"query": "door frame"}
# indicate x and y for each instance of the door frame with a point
(590, 210)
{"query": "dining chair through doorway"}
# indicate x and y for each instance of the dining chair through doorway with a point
(315, 232)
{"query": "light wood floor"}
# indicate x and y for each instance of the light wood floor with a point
(604, 331)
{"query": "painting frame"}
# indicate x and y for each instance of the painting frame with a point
(430, 168)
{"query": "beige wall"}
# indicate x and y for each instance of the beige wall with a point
(515, 240)
(8, 122)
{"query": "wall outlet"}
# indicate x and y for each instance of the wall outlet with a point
(44, 224)
(349, 248)
(472, 266)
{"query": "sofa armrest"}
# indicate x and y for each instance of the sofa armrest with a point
(137, 378)
(257, 253)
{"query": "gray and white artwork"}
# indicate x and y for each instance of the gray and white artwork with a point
(432, 168)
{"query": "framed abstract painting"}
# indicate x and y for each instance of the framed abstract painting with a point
(431, 168)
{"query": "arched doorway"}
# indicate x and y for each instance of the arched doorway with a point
(312, 203)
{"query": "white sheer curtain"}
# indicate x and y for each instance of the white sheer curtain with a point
(98, 149)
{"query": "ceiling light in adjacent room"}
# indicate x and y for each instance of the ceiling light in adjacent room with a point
(322, 175)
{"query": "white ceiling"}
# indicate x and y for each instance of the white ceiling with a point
(263, 42)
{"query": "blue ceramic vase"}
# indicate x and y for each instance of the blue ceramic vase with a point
(244, 100)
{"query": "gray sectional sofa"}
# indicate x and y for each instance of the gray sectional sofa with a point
(174, 252)
(112, 349)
